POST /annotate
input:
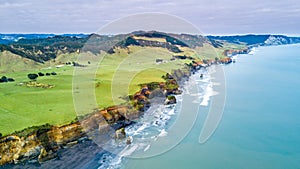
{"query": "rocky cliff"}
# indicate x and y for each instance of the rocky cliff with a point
(39, 145)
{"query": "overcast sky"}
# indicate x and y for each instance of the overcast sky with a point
(210, 16)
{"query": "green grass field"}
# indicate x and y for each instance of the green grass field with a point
(116, 75)
(23, 106)
(120, 76)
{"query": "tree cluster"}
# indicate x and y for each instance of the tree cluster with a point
(5, 79)
(34, 76)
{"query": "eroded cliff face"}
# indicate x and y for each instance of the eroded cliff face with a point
(38, 145)
(43, 143)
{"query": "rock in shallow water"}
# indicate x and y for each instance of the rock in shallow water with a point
(120, 134)
(170, 100)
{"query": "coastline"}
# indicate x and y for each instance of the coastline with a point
(159, 101)
(45, 143)
(98, 157)
(76, 128)
(157, 121)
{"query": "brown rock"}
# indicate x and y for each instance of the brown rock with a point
(120, 134)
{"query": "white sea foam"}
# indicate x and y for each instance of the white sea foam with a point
(196, 100)
(135, 131)
(178, 98)
(204, 80)
(128, 150)
(253, 51)
(195, 94)
(234, 57)
(208, 94)
(147, 148)
(145, 125)
(107, 161)
(171, 112)
(216, 84)
(163, 133)
(154, 138)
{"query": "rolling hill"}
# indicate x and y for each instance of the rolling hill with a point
(10, 62)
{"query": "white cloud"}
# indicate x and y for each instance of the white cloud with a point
(10, 4)
(212, 16)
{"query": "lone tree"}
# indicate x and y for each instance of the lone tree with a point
(32, 76)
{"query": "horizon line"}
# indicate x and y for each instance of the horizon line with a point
(209, 34)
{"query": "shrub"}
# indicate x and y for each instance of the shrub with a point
(10, 79)
(41, 74)
(170, 97)
(48, 74)
(32, 76)
(54, 73)
(151, 86)
(3, 79)
(6, 79)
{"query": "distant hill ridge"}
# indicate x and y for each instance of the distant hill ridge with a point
(10, 38)
(44, 47)
(261, 40)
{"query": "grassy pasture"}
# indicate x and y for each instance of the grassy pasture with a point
(23, 106)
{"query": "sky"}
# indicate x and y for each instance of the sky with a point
(216, 17)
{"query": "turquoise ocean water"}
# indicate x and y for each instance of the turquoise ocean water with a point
(260, 127)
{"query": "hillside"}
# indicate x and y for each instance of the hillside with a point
(44, 49)
(10, 62)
